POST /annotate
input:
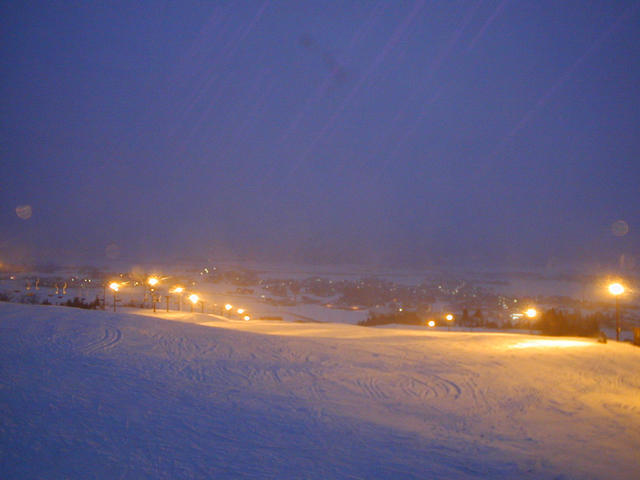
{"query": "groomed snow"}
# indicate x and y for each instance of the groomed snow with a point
(87, 394)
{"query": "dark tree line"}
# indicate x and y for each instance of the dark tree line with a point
(557, 322)
(477, 319)
(406, 318)
(79, 303)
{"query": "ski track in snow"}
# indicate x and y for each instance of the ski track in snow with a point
(110, 338)
(100, 395)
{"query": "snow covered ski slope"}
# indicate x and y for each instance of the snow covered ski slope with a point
(87, 394)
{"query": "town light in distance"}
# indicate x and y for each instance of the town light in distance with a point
(431, 323)
(449, 317)
(228, 307)
(531, 313)
(241, 311)
(194, 298)
(153, 281)
(247, 318)
(177, 290)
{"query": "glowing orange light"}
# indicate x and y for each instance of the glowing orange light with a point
(153, 281)
(241, 311)
(228, 307)
(114, 286)
(531, 313)
(431, 323)
(449, 317)
(247, 318)
(178, 290)
(194, 298)
(616, 289)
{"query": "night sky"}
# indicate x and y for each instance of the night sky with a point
(487, 132)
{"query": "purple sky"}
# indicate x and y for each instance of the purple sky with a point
(417, 132)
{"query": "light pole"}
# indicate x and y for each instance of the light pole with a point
(449, 318)
(194, 299)
(179, 291)
(616, 290)
(153, 281)
(114, 286)
(531, 313)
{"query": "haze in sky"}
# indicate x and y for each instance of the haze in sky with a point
(420, 132)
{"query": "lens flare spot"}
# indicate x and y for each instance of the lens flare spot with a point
(24, 211)
(620, 228)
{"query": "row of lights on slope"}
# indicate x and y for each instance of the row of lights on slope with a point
(194, 298)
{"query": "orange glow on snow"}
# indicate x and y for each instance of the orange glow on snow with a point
(547, 343)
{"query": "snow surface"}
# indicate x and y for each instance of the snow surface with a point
(86, 394)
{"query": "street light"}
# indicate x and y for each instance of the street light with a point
(240, 311)
(179, 291)
(228, 307)
(616, 290)
(431, 323)
(531, 313)
(449, 318)
(194, 299)
(153, 281)
(115, 287)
